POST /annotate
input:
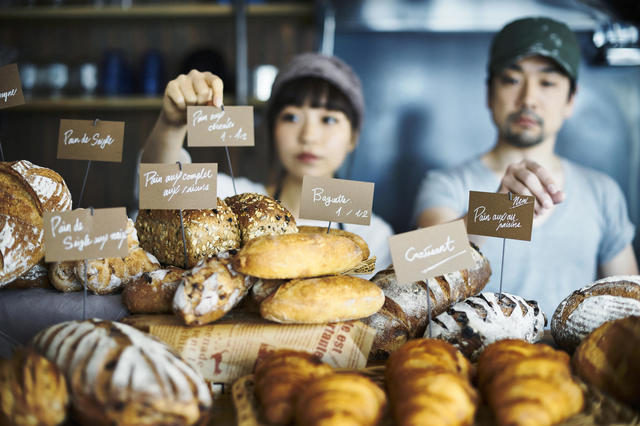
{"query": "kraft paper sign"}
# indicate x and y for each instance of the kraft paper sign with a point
(91, 140)
(77, 234)
(495, 215)
(10, 86)
(336, 200)
(430, 252)
(212, 126)
(166, 186)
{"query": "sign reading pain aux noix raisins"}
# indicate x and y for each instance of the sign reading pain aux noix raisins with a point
(171, 186)
(212, 126)
(500, 215)
(78, 234)
(336, 200)
(10, 86)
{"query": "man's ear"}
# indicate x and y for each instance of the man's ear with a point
(568, 112)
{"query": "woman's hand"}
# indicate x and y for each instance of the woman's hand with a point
(195, 88)
(530, 178)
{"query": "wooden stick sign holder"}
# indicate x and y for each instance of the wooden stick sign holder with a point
(184, 238)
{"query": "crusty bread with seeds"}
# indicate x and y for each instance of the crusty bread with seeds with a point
(260, 215)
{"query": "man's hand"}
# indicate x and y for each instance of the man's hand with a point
(530, 178)
(195, 88)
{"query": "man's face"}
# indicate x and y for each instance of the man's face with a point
(529, 101)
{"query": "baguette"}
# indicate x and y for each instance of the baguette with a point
(353, 237)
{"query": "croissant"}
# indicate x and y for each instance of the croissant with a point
(429, 383)
(527, 384)
(340, 399)
(280, 377)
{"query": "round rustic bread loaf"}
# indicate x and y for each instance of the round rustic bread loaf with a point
(152, 292)
(120, 375)
(589, 307)
(26, 191)
(260, 215)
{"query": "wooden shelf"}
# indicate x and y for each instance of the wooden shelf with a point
(189, 10)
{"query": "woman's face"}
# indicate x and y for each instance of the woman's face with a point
(312, 141)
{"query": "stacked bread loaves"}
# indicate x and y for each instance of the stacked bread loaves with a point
(26, 191)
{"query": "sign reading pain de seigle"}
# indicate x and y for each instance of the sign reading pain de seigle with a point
(336, 200)
(95, 140)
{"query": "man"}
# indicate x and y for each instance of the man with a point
(581, 226)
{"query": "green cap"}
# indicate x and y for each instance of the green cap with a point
(535, 36)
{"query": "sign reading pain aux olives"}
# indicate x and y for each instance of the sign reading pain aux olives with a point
(336, 200)
(430, 252)
(212, 126)
(95, 140)
(79, 234)
(500, 215)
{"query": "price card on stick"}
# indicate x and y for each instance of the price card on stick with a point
(336, 200)
(213, 126)
(173, 186)
(500, 215)
(78, 234)
(94, 140)
(10, 86)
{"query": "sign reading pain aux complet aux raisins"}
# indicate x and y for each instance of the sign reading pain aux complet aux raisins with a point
(336, 200)
(212, 126)
(78, 234)
(10, 86)
(171, 186)
(500, 215)
(94, 140)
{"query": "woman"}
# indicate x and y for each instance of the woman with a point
(313, 117)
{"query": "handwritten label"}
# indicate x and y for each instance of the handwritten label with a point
(165, 186)
(91, 140)
(430, 252)
(495, 215)
(211, 126)
(336, 200)
(77, 235)
(10, 86)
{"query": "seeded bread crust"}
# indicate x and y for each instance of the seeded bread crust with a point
(260, 215)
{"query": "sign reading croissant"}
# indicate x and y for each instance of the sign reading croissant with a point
(95, 140)
(500, 215)
(10, 86)
(430, 252)
(336, 200)
(78, 234)
(213, 126)
(173, 186)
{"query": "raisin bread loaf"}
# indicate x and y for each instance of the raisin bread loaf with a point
(478, 321)
(119, 375)
(586, 309)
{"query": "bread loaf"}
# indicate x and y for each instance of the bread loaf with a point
(609, 359)
(119, 375)
(33, 391)
(429, 383)
(36, 277)
(207, 233)
(26, 191)
(527, 384)
(392, 329)
(320, 300)
(152, 292)
(260, 215)
(478, 321)
(209, 290)
(280, 377)
(586, 309)
(62, 276)
(353, 237)
(297, 256)
(340, 399)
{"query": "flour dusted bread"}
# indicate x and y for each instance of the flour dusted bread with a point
(609, 359)
(297, 256)
(260, 215)
(33, 391)
(478, 321)
(36, 277)
(207, 233)
(119, 375)
(586, 309)
(320, 300)
(353, 237)
(152, 292)
(26, 191)
(209, 290)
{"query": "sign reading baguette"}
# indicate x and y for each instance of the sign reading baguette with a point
(10, 86)
(94, 140)
(171, 186)
(78, 234)
(212, 126)
(495, 215)
(430, 252)
(336, 200)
